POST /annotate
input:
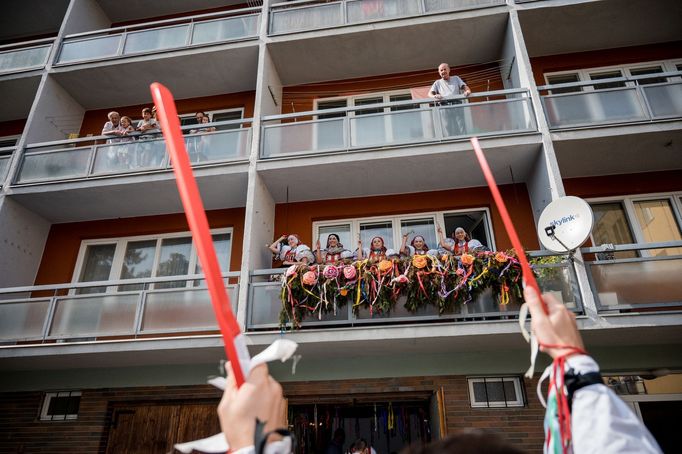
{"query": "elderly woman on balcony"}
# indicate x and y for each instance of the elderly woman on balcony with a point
(333, 253)
(462, 243)
(292, 253)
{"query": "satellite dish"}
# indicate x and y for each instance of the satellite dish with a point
(565, 224)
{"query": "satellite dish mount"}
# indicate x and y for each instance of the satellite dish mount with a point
(565, 224)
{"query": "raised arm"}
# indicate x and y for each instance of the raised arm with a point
(318, 252)
(275, 247)
(441, 239)
(403, 247)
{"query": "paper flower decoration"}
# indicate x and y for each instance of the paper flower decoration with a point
(349, 272)
(467, 259)
(309, 278)
(419, 261)
(330, 272)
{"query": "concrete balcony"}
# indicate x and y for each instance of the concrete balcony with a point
(160, 36)
(88, 178)
(629, 277)
(307, 15)
(609, 126)
(265, 305)
(105, 310)
(25, 56)
(319, 147)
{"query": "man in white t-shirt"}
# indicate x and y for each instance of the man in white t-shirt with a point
(449, 87)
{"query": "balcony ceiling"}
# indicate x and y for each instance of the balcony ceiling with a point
(398, 171)
(132, 10)
(619, 150)
(26, 19)
(138, 195)
(17, 96)
(229, 68)
(549, 29)
(390, 47)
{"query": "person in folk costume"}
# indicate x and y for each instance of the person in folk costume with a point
(417, 246)
(294, 252)
(376, 252)
(333, 253)
(462, 243)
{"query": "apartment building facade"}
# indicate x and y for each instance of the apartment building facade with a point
(320, 125)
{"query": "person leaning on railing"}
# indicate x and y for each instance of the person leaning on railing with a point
(443, 90)
(601, 422)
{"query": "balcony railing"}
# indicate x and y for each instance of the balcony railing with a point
(24, 56)
(83, 311)
(613, 101)
(161, 36)
(650, 278)
(86, 158)
(265, 305)
(304, 15)
(5, 159)
(398, 123)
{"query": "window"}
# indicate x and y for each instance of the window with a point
(8, 141)
(611, 227)
(610, 72)
(215, 116)
(564, 79)
(60, 406)
(495, 392)
(392, 228)
(143, 257)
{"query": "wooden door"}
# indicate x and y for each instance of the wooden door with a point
(154, 429)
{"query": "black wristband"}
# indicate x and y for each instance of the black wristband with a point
(574, 382)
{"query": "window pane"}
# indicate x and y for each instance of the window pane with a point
(472, 222)
(174, 260)
(342, 230)
(480, 394)
(423, 227)
(607, 75)
(404, 97)
(649, 70)
(137, 262)
(371, 229)
(564, 79)
(223, 245)
(227, 116)
(510, 391)
(96, 266)
(657, 221)
(611, 227)
(368, 101)
(332, 105)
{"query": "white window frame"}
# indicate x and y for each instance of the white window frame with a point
(437, 216)
(518, 389)
(210, 113)
(44, 416)
(121, 244)
(14, 137)
(584, 73)
(628, 203)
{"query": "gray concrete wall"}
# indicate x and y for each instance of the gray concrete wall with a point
(84, 16)
(22, 239)
(54, 115)
(509, 64)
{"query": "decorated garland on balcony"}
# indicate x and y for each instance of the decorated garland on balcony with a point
(446, 282)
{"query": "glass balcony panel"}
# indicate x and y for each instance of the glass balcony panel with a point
(584, 108)
(305, 18)
(55, 165)
(452, 5)
(630, 283)
(368, 10)
(218, 146)
(23, 320)
(664, 100)
(182, 310)
(156, 39)
(322, 135)
(16, 60)
(89, 48)
(102, 315)
(469, 119)
(225, 29)
(265, 305)
(392, 127)
(130, 156)
(4, 166)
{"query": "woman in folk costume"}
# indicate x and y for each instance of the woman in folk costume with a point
(462, 244)
(417, 246)
(376, 252)
(294, 252)
(333, 253)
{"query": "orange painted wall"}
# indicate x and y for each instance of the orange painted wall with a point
(183, 14)
(607, 57)
(94, 120)
(300, 98)
(64, 240)
(12, 128)
(628, 184)
(299, 217)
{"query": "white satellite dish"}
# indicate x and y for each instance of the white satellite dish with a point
(565, 224)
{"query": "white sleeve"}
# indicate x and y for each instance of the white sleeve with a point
(434, 88)
(601, 422)
(474, 244)
(283, 251)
